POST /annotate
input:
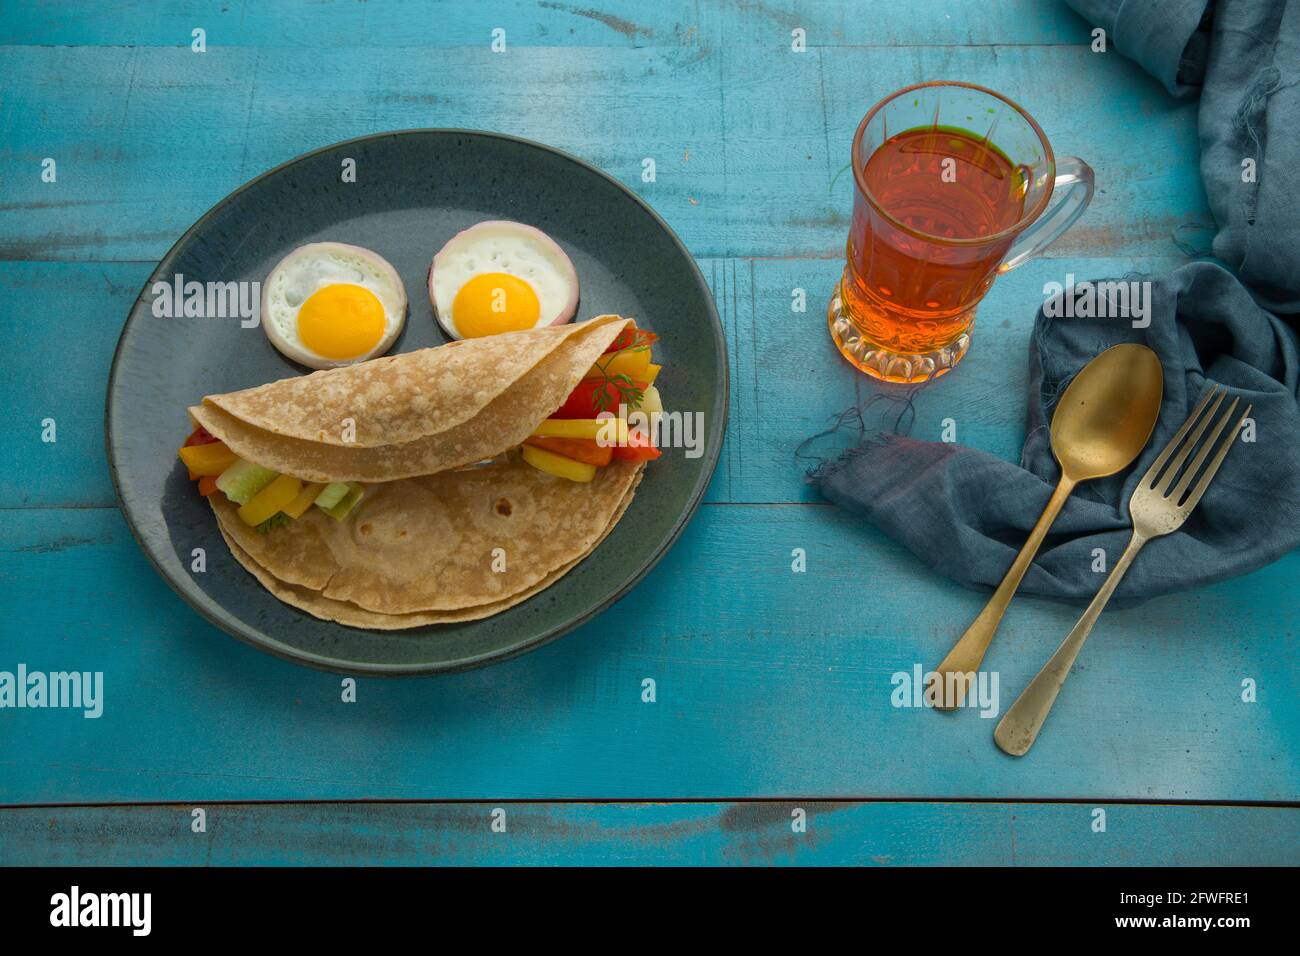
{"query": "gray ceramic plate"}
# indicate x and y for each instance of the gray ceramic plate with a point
(413, 191)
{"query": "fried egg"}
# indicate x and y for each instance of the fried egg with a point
(328, 304)
(501, 276)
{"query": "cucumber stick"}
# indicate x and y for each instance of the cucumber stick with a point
(340, 511)
(332, 494)
(244, 479)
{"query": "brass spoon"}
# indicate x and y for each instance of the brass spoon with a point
(1101, 423)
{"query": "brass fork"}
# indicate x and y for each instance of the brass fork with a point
(1156, 510)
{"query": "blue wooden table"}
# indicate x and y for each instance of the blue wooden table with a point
(773, 687)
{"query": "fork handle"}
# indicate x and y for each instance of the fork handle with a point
(1019, 726)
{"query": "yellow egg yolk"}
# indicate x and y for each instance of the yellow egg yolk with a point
(494, 302)
(341, 321)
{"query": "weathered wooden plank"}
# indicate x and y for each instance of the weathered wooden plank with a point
(391, 24)
(768, 683)
(121, 123)
(417, 23)
(790, 120)
(682, 834)
(67, 317)
(749, 143)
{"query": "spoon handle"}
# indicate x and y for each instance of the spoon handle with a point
(1019, 726)
(968, 652)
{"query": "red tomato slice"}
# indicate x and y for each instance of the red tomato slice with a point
(585, 402)
(200, 436)
(639, 447)
(631, 338)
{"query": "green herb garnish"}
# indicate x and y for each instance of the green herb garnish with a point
(628, 393)
(275, 521)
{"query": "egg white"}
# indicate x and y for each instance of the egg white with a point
(314, 266)
(499, 245)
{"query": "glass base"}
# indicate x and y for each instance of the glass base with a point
(885, 364)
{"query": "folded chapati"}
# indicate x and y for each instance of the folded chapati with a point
(431, 541)
(405, 394)
(345, 612)
(441, 542)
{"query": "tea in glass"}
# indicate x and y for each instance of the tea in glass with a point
(951, 181)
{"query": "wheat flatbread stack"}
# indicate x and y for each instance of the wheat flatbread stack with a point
(432, 540)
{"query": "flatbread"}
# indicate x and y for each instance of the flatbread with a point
(399, 398)
(440, 542)
(430, 541)
(346, 613)
(502, 423)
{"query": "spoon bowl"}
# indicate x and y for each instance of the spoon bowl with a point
(1105, 418)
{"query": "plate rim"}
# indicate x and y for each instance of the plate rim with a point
(217, 613)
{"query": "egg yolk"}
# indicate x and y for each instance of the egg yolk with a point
(494, 302)
(341, 321)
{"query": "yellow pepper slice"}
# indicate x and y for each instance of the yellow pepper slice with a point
(270, 500)
(608, 431)
(558, 465)
(630, 362)
(651, 373)
(210, 459)
(306, 497)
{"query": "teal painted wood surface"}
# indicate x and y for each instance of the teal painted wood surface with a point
(764, 688)
(749, 138)
(662, 834)
(770, 683)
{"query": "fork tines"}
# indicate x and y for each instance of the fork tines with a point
(1159, 483)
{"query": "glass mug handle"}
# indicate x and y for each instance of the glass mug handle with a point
(1073, 173)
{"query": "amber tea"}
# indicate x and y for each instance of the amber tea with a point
(937, 182)
(951, 179)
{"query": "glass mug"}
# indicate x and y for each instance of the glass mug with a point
(953, 183)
